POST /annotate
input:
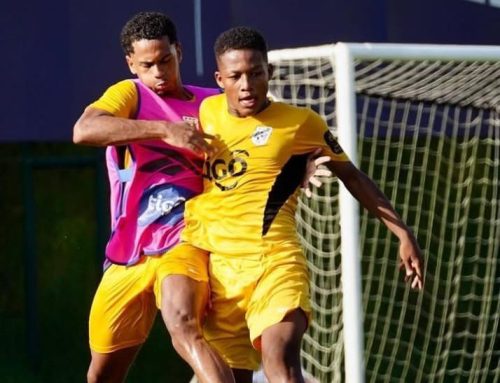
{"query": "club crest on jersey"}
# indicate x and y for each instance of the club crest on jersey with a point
(261, 135)
(193, 121)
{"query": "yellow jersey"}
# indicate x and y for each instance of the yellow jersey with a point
(120, 99)
(251, 181)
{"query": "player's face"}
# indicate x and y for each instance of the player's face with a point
(156, 64)
(244, 76)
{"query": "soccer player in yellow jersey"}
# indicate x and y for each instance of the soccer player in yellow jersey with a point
(245, 216)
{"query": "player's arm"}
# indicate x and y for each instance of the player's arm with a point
(109, 122)
(315, 133)
(372, 198)
(100, 128)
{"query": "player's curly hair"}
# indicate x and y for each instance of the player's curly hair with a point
(149, 26)
(240, 38)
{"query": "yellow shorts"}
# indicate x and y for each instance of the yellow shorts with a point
(250, 294)
(128, 298)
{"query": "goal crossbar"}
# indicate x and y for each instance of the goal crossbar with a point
(392, 52)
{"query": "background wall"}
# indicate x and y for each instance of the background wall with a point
(59, 56)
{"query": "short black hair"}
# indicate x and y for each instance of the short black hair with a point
(148, 26)
(240, 38)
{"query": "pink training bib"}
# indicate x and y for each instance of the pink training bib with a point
(148, 195)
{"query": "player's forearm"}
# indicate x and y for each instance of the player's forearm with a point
(110, 130)
(394, 223)
(372, 199)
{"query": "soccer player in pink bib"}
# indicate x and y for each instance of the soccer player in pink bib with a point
(155, 158)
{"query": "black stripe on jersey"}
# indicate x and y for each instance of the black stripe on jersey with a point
(332, 142)
(284, 186)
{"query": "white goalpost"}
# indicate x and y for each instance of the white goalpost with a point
(423, 122)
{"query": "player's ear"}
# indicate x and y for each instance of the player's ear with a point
(130, 64)
(218, 79)
(178, 50)
(270, 70)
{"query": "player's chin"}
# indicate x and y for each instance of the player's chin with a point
(249, 110)
(246, 112)
(161, 92)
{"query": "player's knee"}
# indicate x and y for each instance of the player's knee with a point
(281, 365)
(281, 359)
(91, 376)
(111, 367)
(182, 323)
(95, 375)
(183, 301)
(178, 315)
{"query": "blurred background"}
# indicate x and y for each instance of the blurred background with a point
(58, 57)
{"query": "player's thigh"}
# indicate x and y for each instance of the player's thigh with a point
(232, 282)
(123, 309)
(282, 290)
(182, 275)
(183, 300)
(282, 340)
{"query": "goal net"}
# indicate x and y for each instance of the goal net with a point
(427, 131)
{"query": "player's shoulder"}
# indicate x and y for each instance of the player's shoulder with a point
(127, 85)
(124, 89)
(119, 99)
(289, 107)
(213, 101)
(294, 112)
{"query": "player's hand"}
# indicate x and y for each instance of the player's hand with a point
(313, 171)
(186, 135)
(412, 262)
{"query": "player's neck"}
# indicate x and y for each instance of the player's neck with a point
(181, 93)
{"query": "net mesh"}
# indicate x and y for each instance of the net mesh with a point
(429, 136)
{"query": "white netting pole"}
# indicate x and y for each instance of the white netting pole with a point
(349, 220)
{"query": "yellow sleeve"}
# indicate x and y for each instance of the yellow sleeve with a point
(119, 99)
(206, 113)
(314, 133)
(202, 114)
